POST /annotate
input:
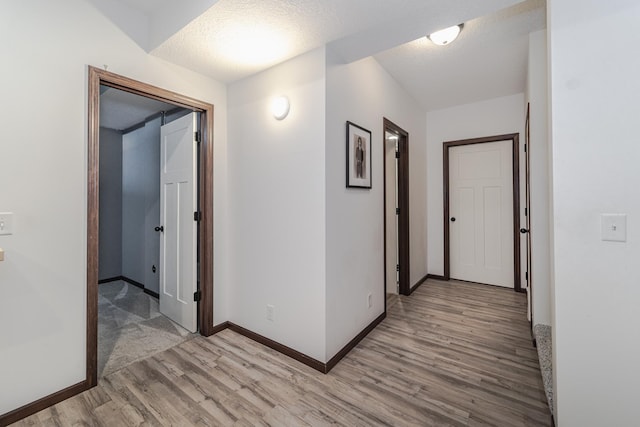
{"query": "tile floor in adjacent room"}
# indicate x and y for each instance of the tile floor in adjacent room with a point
(131, 327)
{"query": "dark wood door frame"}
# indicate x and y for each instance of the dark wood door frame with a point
(513, 137)
(403, 204)
(99, 77)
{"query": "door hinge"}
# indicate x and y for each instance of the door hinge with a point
(526, 275)
(196, 136)
(397, 154)
(397, 267)
(197, 216)
(397, 211)
(525, 148)
(197, 296)
(525, 211)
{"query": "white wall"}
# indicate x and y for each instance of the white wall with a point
(363, 92)
(486, 118)
(594, 125)
(277, 191)
(537, 95)
(43, 181)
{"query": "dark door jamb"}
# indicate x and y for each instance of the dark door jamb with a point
(513, 137)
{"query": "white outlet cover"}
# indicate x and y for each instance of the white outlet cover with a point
(614, 227)
(6, 223)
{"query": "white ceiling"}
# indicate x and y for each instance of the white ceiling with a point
(231, 39)
(151, 22)
(237, 38)
(489, 59)
(148, 7)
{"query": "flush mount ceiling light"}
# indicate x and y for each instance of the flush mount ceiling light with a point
(280, 107)
(251, 43)
(446, 36)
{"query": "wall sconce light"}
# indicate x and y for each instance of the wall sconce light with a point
(280, 107)
(446, 36)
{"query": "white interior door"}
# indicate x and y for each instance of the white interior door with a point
(481, 213)
(178, 202)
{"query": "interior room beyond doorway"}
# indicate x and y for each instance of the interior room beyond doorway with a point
(130, 323)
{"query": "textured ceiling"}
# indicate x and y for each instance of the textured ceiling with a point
(120, 110)
(489, 59)
(231, 39)
(237, 38)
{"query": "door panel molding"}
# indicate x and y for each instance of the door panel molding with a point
(514, 138)
(178, 202)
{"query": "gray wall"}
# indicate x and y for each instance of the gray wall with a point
(141, 204)
(140, 209)
(110, 260)
(175, 115)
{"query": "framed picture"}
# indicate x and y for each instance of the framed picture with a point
(358, 156)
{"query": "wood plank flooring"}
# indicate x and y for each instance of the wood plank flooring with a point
(453, 353)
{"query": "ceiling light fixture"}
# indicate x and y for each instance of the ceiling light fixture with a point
(280, 107)
(250, 44)
(446, 36)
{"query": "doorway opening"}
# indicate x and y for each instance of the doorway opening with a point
(482, 201)
(396, 209)
(200, 202)
(134, 316)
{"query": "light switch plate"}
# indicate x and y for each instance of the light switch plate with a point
(6, 223)
(614, 227)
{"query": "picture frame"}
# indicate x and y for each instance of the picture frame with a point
(358, 156)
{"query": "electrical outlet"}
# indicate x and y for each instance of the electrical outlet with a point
(270, 311)
(369, 301)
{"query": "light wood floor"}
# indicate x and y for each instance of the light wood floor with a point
(451, 354)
